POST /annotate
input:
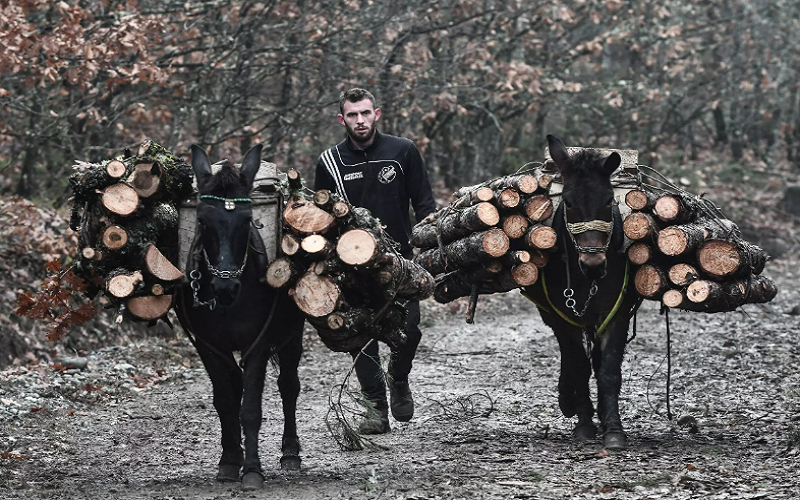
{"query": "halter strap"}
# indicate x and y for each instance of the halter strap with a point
(230, 203)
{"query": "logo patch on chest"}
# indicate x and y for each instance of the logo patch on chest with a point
(387, 174)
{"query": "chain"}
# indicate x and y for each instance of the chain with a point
(570, 301)
(195, 276)
(227, 274)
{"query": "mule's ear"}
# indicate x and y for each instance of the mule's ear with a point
(201, 165)
(251, 163)
(612, 163)
(558, 152)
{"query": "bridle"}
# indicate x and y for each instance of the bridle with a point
(195, 274)
(575, 228)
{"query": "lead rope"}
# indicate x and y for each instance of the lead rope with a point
(669, 362)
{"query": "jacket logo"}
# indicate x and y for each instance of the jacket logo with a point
(353, 176)
(387, 174)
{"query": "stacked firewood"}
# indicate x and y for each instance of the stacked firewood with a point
(493, 237)
(343, 271)
(689, 256)
(125, 212)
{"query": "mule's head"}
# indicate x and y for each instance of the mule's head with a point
(224, 215)
(588, 203)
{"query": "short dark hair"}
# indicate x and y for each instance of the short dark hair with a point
(355, 95)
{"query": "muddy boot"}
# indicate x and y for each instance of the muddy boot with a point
(402, 401)
(376, 419)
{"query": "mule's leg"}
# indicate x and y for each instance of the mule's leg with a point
(251, 412)
(226, 380)
(609, 383)
(574, 397)
(289, 387)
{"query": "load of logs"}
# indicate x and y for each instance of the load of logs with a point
(343, 271)
(124, 211)
(689, 256)
(493, 237)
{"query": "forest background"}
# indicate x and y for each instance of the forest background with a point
(707, 92)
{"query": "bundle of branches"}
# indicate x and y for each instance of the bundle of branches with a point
(343, 271)
(690, 256)
(493, 237)
(125, 212)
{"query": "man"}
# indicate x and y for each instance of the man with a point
(382, 173)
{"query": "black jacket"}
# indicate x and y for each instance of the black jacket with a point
(383, 178)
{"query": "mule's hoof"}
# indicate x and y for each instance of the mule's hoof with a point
(584, 433)
(252, 480)
(228, 473)
(615, 441)
(290, 462)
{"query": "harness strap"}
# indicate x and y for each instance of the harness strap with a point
(553, 309)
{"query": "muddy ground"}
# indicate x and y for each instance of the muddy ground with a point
(138, 422)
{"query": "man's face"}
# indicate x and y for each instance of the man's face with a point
(359, 119)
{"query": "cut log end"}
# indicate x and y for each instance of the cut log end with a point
(281, 273)
(495, 243)
(115, 237)
(146, 178)
(672, 298)
(515, 226)
(638, 225)
(356, 247)
(340, 209)
(159, 266)
(541, 237)
(115, 169)
(682, 274)
(120, 199)
(525, 274)
(539, 208)
(290, 245)
(636, 199)
(650, 281)
(123, 285)
(149, 307)
(315, 244)
(315, 295)
(639, 253)
(667, 208)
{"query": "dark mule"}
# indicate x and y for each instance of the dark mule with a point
(586, 294)
(228, 309)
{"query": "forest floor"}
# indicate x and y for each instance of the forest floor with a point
(138, 420)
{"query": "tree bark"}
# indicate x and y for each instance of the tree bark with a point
(455, 224)
(465, 252)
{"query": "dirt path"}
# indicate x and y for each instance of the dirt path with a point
(138, 422)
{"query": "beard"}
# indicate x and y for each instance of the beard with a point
(361, 136)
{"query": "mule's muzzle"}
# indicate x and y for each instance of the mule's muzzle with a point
(593, 265)
(226, 291)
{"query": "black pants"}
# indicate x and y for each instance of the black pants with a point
(368, 365)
